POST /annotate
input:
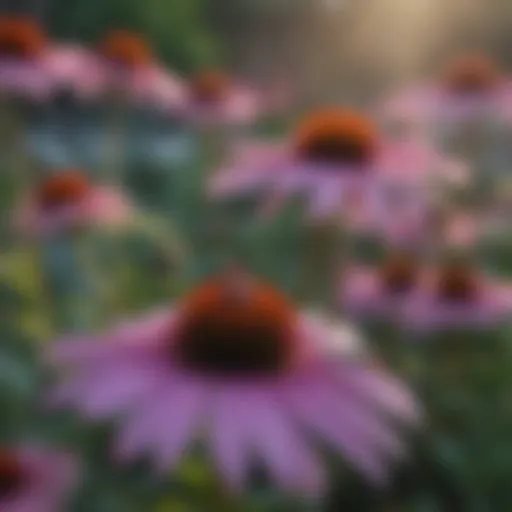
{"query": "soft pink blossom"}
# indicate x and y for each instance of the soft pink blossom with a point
(283, 170)
(422, 298)
(98, 206)
(471, 88)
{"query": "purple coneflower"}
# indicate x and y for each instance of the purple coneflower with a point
(382, 292)
(213, 98)
(236, 365)
(333, 155)
(35, 480)
(126, 70)
(457, 296)
(68, 200)
(424, 298)
(470, 87)
(23, 52)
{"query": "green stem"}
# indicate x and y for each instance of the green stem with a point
(114, 150)
(323, 250)
(216, 142)
(73, 286)
(13, 146)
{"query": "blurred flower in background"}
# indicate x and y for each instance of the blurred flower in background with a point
(458, 296)
(67, 201)
(465, 110)
(24, 49)
(471, 87)
(36, 479)
(125, 66)
(333, 156)
(213, 97)
(419, 296)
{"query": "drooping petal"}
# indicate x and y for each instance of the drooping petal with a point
(165, 425)
(51, 477)
(382, 390)
(138, 433)
(323, 413)
(228, 437)
(271, 436)
(185, 408)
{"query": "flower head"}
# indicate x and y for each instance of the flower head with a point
(212, 97)
(23, 51)
(399, 274)
(457, 283)
(124, 66)
(332, 156)
(380, 292)
(338, 138)
(470, 87)
(453, 295)
(12, 473)
(66, 188)
(457, 296)
(67, 200)
(236, 363)
(471, 75)
(21, 38)
(126, 50)
(219, 315)
(35, 479)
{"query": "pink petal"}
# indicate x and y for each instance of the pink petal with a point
(184, 410)
(122, 387)
(382, 390)
(166, 425)
(326, 200)
(323, 412)
(228, 438)
(242, 107)
(250, 421)
(274, 437)
(138, 336)
(138, 434)
(108, 206)
(74, 66)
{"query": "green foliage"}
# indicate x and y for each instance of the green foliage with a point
(177, 29)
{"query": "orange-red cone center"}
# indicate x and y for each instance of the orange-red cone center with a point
(399, 274)
(472, 75)
(20, 38)
(12, 475)
(125, 49)
(457, 283)
(336, 137)
(210, 87)
(227, 331)
(66, 188)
